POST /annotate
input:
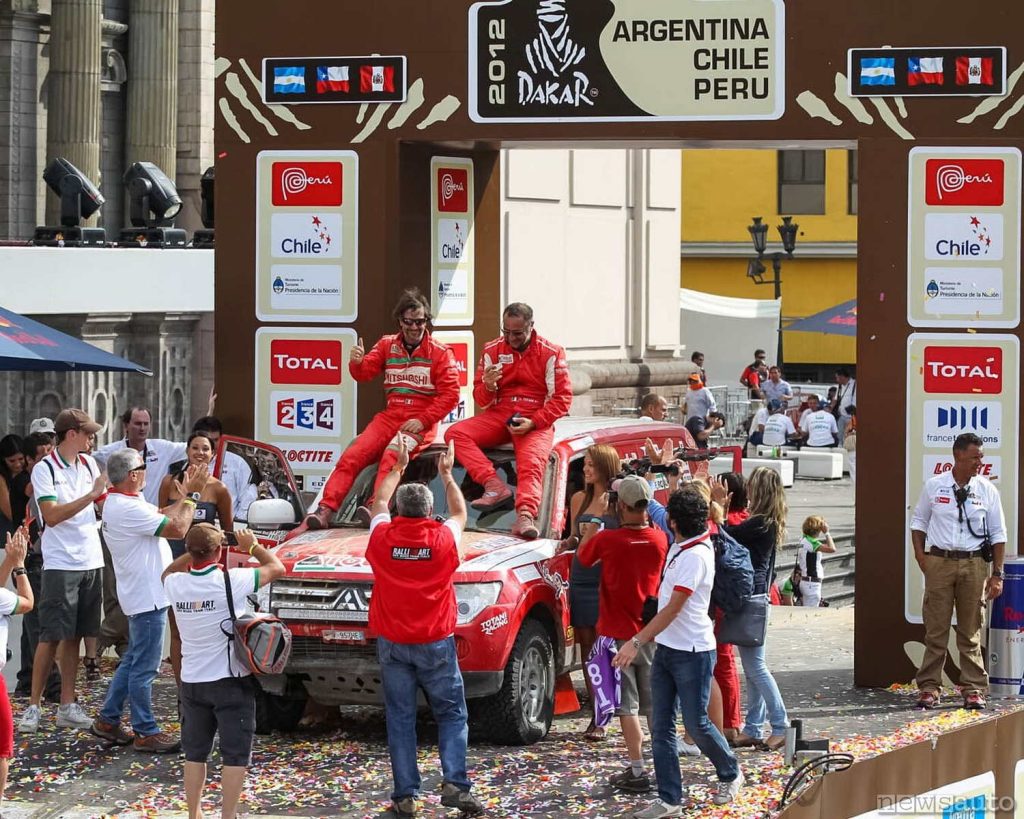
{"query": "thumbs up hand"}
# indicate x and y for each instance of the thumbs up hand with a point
(358, 352)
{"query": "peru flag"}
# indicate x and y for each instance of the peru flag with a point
(974, 71)
(376, 78)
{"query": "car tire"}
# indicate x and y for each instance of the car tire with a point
(520, 713)
(280, 712)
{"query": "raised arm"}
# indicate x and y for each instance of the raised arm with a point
(387, 487)
(453, 494)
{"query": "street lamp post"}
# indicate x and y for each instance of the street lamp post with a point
(756, 269)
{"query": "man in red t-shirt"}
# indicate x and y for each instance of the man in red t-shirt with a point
(413, 614)
(631, 558)
(754, 374)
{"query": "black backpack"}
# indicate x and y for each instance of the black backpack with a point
(734, 573)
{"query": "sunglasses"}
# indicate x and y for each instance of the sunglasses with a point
(419, 322)
(138, 469)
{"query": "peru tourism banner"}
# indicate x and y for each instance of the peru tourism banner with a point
(626, 60)
(957, 383)
(452, 263)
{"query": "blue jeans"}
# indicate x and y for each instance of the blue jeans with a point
(434, 668)
(683, 678)
(762, 694)
(133, 680)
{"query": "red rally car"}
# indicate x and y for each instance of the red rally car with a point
(513, 634)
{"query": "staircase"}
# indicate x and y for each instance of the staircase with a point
(838, 568)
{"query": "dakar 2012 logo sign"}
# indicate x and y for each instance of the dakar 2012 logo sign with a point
(553, 57)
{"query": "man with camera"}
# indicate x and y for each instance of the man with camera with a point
(631, 557)
(957, 529)
(702, 426)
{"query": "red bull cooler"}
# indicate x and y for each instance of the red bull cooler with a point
(1006, 634)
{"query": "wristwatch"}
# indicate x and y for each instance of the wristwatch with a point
(18, 572)
(636, 643)
(194, 497)
(997, 573)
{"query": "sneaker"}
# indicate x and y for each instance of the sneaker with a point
(363, 516)
(320, 519)
(687, 749)
(525, 526)
(629, 781)
(657, 810)
(496, 493)
(110, 731)
(157, 744)
(727, 791)
(974, 702)
(453, 797)
(29, 722)
(72, 716)
(404, 807)
(92, 669)
(927, 700)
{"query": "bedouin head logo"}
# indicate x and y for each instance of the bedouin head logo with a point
(552, 56)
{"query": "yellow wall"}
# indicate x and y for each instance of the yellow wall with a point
(721, 191)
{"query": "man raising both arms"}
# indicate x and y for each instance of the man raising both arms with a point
(522, 387)
(421, 386)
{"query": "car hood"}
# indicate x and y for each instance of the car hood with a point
(343, 551)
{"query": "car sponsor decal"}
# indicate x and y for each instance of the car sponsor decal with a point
(333, 563)
(492, 624)
(526, 574)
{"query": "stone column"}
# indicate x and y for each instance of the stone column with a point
(104, 391)
(153, 84)
(73, 91)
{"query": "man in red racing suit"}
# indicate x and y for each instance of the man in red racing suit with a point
(421, 385)
(522, 385)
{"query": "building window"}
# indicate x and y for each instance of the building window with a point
(801, 182)
(851, 184)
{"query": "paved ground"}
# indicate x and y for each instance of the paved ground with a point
(342, 770)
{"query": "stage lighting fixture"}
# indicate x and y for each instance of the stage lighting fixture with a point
(153, 204)
(79, 199)
(205, 237)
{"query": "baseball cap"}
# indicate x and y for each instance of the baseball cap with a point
(694, 378)
(41, 425)
(774, 404)
(204, 537)
(633, 490)
(75, 419)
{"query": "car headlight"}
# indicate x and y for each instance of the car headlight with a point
(263, 598)
(473, 598)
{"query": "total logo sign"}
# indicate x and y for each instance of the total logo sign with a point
(460, 350)
(305, 361)
(305, 413)
(964, 236)
(963, 370)
(956, 182)
(945, 420)
(452, 190)
(316, 184)
(991, 467)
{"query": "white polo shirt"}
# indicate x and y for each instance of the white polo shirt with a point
(200, 607)
(689, 566)
(131, 530)
(760, 418)
(820, 426)
(73, 545)
(777, 430)
(8, 606)
(158, 453)
(937, 515)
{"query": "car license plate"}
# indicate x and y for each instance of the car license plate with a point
(344, 636)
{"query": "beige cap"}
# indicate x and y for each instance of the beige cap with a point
(75, 419)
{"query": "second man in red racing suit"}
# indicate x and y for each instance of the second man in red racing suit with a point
(522, 387)
(421, 386)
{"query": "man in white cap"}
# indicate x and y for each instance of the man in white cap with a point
(45, 426)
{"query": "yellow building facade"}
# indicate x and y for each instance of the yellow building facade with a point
(723, 189)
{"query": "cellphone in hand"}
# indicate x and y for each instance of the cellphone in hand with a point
(230, 539)
(514, 420)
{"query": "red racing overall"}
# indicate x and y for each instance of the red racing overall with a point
(535, 383)
(421, 385)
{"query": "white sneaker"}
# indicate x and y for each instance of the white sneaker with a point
(29, 722)
(727, 790)
(72, 716)
(686, 749)
(658, 810)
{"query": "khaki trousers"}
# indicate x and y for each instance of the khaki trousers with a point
(947, 583)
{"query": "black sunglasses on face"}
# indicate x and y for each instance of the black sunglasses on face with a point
(417, 322)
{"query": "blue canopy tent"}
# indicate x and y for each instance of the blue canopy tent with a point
(840, 320)
(28, 345)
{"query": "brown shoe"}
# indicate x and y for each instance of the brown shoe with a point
(321, 518)
(110, 732)
(744, 741)
(525, 526)
(157, 744)
(774, 743)
(496, 494)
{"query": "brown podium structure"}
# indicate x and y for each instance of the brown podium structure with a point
(358, 153)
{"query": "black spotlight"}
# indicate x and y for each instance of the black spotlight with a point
(204, 238)
(153, 204)
(79, 199)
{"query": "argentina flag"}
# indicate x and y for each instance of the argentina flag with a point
(878, 71)
(289, 80)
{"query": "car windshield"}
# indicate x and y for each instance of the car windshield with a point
(424, 470)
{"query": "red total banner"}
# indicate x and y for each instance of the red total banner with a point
(461, 352)
(958, 182)
(304, 184)
(963, 370)
(305, 361)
